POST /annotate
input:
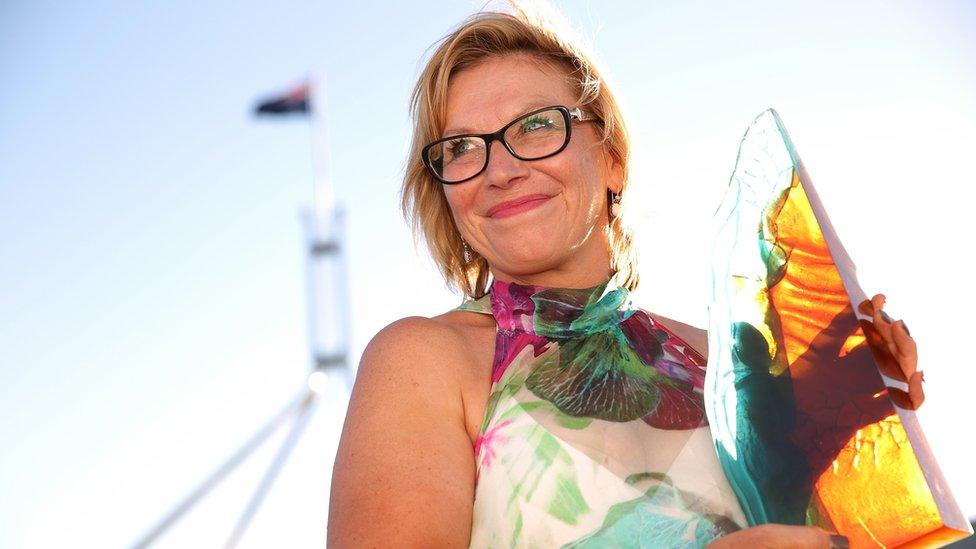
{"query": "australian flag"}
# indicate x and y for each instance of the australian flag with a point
(295, 100)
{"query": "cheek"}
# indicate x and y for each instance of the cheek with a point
(590, 187)
(459, 201)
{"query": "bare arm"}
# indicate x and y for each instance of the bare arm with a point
(404, 473)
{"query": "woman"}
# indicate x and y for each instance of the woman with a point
(544, 411)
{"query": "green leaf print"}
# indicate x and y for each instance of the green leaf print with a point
(548, 479)
(544, 406)
(598, 376)
(567, 504)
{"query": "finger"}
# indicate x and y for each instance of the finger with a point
(838, 541)
(883, 322)
(782, 535)
(827, 539)
(907, 351)
(900, 398)
(887, 362)
(915, 391)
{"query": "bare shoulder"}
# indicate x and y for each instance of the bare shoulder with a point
(451, 352)
(449, 328)
(412, 338)
(443, 341)
(432, 355)
(694, 336)
(404, 356)
(411, 359)
(406, 452)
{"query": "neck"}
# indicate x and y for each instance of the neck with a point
(581, 271)
(557, 279)
(582, 264)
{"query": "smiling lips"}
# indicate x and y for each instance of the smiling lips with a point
(517, 206)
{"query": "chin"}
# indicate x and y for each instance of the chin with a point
(527, 260)
(538, 247)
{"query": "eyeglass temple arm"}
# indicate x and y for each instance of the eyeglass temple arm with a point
(580, 115)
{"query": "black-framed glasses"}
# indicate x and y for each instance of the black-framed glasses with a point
(533, 136)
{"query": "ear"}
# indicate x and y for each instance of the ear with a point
(615, 173)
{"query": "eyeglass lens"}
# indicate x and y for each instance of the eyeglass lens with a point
(534, 136)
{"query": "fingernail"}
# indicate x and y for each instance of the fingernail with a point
(839, 542)
(887, 318)
(905, 327)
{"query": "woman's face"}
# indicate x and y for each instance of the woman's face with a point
(535, 222)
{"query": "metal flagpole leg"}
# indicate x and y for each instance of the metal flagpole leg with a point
(296, 405)
(301, 419)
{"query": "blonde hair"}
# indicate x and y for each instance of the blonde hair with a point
(486, 35)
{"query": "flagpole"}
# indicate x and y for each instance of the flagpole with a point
(326, 270)
(323, 196)
(328, 314)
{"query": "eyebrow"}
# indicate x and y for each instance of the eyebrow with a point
(530, 106)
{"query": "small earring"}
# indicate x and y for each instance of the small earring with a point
(614, 205)
(467, 251)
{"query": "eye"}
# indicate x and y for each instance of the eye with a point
(458, 147)
(537, 122)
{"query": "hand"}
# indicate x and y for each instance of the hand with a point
(903, 353)
(781, 536)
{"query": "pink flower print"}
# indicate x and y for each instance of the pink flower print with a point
(507, 348)
(484, 445)
(512, 306)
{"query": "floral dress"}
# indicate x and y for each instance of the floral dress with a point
(595, 432)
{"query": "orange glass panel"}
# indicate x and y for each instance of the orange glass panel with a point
(811, 293)
(875, 491)
(804, 424)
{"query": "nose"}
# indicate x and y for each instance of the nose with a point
(503, 169)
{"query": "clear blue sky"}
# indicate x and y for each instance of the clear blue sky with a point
(151, 291)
